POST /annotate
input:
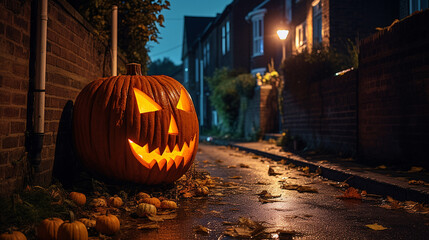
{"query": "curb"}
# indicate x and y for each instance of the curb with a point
(374, 183)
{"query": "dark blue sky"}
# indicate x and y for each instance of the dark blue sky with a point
(170, 44)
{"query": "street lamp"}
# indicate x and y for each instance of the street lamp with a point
(283, 35)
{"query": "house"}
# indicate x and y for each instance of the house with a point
(210, 44)
(243, 37)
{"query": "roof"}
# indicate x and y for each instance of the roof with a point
(194, 27)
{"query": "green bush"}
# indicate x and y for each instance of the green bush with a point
(227, 90)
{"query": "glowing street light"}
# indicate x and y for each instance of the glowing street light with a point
(283, 35)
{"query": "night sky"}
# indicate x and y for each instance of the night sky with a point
(171, 36)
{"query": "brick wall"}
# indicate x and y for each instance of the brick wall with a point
(394, 93)
(323, 114)
(75, 56)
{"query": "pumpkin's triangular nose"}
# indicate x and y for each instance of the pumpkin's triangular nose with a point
(172, 129)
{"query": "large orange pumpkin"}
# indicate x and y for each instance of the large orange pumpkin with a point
(137, 128)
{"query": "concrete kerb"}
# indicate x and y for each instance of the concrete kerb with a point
(371, 182)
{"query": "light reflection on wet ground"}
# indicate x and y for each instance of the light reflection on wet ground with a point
(314, 215)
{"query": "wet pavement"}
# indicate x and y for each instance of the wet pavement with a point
(313, 215)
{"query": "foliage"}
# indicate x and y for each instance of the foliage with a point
(226, 90)
(137, 23)
(30, 206)
(304, 68)
(163, 67)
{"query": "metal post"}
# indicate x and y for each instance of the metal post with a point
(114, 40)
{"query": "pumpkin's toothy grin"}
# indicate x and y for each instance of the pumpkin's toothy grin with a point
(167, 157)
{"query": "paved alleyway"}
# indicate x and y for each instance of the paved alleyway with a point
(321, 215)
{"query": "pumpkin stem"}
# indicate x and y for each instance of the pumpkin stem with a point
(71, 216)
(134, 69)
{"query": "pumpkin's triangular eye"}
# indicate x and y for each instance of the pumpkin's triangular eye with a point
(184, 103)
(145, 103)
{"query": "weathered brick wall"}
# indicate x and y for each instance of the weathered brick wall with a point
(323, 114)
(75, 56)
(394, 93)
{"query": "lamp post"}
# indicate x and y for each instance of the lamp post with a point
(283, 35)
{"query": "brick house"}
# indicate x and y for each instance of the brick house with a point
(223, 42)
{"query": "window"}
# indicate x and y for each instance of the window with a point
(186, 67)
(288, 10)
(196, 70)
(227, 36)
(300, 37)
(416, 5)
(223, 40)
(258, 36)
(206, 54)
(317, 23)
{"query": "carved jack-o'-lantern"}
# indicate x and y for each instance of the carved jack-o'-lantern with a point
(137, 128)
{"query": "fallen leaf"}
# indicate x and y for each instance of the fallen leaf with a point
(290, 186)
(232, 166)
(160, 218)
(307, 189)
(187, 195)
(416, 182)
(242, 165)
(262, 183)
(236, 177)
(149, 225)
(227, 223)
(201, 229)
(271, 172)
(376, 227)
(264, 200)
(415, 169)
(351, 193)
(381, 167)
(206, 161)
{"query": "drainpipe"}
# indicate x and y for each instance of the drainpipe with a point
(114, 40)
(39, 88)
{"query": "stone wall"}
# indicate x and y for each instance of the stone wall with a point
(75, 56)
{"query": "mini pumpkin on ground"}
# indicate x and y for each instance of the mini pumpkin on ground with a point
(107, 224)
(167, 204)
(154, 201)
(98, 202)
(78, 198)
(13, 235)
(48, 228)
(89, 223)
(72, 230)
(145, 209)
(115, 201)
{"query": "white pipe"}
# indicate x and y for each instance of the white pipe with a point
(39, 86)
(114, 40)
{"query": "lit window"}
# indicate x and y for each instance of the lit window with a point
(258, 36)
(300, 37)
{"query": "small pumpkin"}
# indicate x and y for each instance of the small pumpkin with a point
(78, 198)
(167, 204)
(115, 202)
(89, 223)
(48, 228)
(107, 224)
(98, 202)
(72, 230)
(142, 195)
(13, 235)
(137, 128)
(154, 201)
(202, 191)
(146, 209)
